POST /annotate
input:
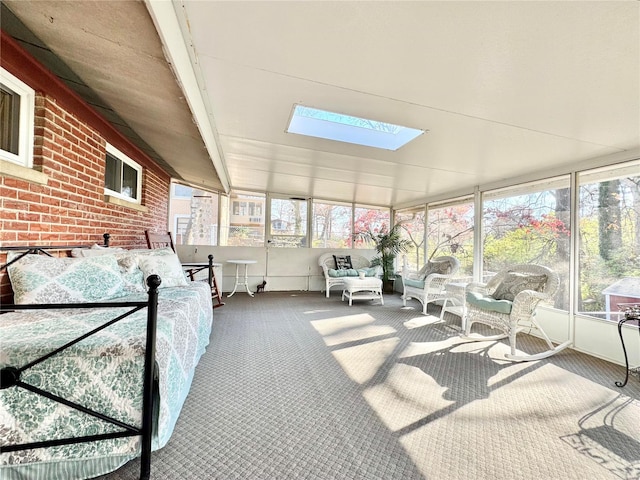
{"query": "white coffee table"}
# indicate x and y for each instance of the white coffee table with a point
(367, 288)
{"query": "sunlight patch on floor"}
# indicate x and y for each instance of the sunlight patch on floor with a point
(421, 321)
(362, 362)
(406, 396)
(329, 326)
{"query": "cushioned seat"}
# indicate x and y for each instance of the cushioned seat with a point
(337, 266)
(508, 303)
(428, 284)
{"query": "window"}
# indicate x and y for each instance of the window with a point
(245, 223)
(288, 222)
(529, 224)
(17, 106)
(450, 232)
(123, 176)
(369, 219)
(346, 128)
(193, 213)
(331, 223)
(609, 219)
(412, 227)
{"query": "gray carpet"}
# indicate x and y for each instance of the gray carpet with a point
(297, 386)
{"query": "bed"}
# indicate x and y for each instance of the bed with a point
(104, 372)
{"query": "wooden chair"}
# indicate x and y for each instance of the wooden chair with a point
(164, 240)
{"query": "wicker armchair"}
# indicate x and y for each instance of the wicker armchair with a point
(508, 302)
(428, 284)
(328, 264)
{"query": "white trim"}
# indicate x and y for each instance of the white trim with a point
(125, 159)
(172, 33)
(27, 120)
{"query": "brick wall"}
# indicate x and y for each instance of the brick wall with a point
(70, 209)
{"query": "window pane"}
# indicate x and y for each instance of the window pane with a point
(288, 223)
(129, 181)
(609, 216)
(369, 219)
(193, 216)
(450, 232)
(113, 173)
(530, 225)
(9, 120)
(412, 227)
(241, 228)
(331, 224)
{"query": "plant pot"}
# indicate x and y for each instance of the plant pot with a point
(388, 286)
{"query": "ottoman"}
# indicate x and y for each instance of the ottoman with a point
(367, 288)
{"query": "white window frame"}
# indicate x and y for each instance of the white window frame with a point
(125, 159)
(26, 121)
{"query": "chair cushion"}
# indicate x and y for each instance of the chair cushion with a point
(343, 262)
(344, 272)
(514, 283)
(485, 302)
(410, 282)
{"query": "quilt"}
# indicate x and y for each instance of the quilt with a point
(103, 372)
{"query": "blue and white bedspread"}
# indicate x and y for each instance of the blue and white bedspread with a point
(103, 372)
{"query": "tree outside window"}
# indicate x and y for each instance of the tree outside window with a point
(450, 232)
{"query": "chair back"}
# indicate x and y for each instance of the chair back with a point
(549, 288)
(159, 240)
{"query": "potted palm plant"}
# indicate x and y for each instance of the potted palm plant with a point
(388, 244)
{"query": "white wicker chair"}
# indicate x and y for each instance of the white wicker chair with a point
(326, 262)
(480, 306)
(427, 285)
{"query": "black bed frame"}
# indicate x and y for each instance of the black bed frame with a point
(10, 375)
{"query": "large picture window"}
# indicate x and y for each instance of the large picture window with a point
(242, 219)
(412, 227)
(288, 226)
(450, 232)
(123, 176)
(193, 215)
(529, 224)
(609, 218)
(331, 223)
(17, 105)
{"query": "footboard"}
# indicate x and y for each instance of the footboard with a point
(13, 369)
(10, 376)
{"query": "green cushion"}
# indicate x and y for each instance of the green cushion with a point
(413, 283)
(369, 272)
(489, 303)
(344, 272)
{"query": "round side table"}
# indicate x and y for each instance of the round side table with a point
(246, 264)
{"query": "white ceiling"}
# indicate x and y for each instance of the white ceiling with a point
(505, 89)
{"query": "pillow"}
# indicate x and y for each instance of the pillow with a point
(343, 262)
(442, 267)
(167, 266)
(343, 272)
(513, 283)
(94, 251)
(369, 272)
(44, 279)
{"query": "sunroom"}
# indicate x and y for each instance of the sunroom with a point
(249, 130)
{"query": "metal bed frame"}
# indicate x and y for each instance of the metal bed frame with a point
(10, 375)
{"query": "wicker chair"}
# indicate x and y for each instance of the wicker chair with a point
(327, 262)
(508, 302)
(428, 284)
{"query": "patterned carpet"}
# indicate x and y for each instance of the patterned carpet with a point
(297, 386)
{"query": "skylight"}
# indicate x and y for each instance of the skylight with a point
(345, 128)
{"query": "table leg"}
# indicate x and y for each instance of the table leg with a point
(624, 350)
(246, 280)
(235, 287)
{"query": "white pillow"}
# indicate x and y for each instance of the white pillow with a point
(44, 279)
(168, 267)
(95, 250)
